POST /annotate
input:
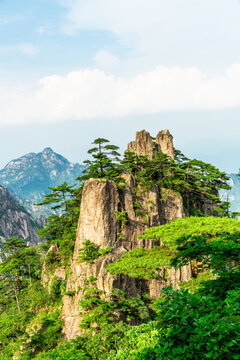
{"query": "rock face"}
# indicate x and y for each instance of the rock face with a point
(165, 141)
(101, 199)
(143, 144)
(97, 221)
(15, 220)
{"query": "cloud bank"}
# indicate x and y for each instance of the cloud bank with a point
(201, 33)
(92, 94)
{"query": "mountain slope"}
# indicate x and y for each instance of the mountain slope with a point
(29, 177)
(15, 220)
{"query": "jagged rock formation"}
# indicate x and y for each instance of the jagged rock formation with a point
(15, 220)
(101, 199)
(143, 145)
(165, 141)
(29, 177)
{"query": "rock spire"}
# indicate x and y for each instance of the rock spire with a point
(143, 144)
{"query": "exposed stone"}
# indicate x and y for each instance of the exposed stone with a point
(97, 221)
(101, 199)
(169, 277)
(79, 273)
(143, 144)
(171, 206)
(165, 141)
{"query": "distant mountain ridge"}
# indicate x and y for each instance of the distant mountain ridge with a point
(29, 177)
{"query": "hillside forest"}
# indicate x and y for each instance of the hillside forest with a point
(194, 319)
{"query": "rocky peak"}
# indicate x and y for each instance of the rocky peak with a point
(30, 176)
(47, 150)
(165, 141)
(143, 144)
(101, 201)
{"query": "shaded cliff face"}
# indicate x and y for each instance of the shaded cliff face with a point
(15, 220)
(101, 200)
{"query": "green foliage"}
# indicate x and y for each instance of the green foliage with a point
(121, 217)
(13, 324)
(91, 252)
(203, 324)
(61, 228)
(219, 254)
(19, 268)
(22, 298)
(199, 181)
(194, 180)
(104, 163)
(176, 236)
(196, 283)
(47, 333)
(71, 350)
(137, 342)
(99, 312)
(142, 263)
(211, 226)
(197, 327)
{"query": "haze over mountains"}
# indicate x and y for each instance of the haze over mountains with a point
(29, 177)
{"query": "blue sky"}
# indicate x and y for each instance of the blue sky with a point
(74, 70)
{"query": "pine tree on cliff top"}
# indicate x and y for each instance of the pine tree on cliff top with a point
(104, 162)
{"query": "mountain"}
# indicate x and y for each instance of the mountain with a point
(233, 195)
(15, 220)
(29, 177)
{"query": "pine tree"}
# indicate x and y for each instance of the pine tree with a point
(105, 162)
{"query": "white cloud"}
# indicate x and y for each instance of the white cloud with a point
(201, 33)
(93, 94)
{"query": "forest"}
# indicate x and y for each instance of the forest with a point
(198, 319)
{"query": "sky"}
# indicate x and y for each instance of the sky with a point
(75, 70)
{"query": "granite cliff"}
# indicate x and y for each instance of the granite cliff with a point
(101, 201)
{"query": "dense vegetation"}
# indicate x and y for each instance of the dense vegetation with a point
(198, 321)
